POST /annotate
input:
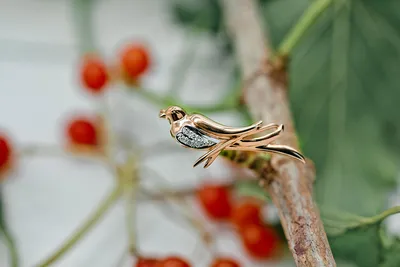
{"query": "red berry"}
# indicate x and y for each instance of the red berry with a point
(94, 75)
(260, 241)
(215, 201)
(248, 212)
(135, 60)
(82, 131)
(5, 151)
(147, 262)
(224, 262)
(174, 262)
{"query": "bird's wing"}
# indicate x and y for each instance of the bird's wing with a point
(214, 128)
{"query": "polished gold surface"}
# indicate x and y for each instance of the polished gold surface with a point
(199, 132)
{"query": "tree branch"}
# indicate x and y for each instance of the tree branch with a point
(288, 182)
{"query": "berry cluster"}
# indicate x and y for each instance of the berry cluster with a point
(81, 131)
(259, 240)
(180, 262)
(134, 61)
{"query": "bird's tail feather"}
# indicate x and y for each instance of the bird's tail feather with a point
(283, 150)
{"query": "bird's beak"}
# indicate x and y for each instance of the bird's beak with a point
(162, 114)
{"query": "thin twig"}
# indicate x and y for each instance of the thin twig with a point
(47, 150)
(167, 194)
(289, 183)
(10, 243)
(185, 209)
(380, 217)
(84, 228)
(185, 212)
(130, 219)
(168, 100)
(306, 20)
(128, 175)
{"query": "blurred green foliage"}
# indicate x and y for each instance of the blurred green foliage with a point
(6, 236)
(344, 86)
(202, 16)
(391, 255)
(358, 239)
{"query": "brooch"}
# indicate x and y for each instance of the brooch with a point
(199, 132)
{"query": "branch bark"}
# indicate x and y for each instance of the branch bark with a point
(288, 182)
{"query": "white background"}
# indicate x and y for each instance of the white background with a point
(47, 197)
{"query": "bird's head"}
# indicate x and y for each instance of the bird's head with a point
(172, 114)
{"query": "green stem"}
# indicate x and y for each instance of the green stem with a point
(129, 179)
(82, 16)
(10, 245)
(130, 217)
(386, 240)
(380, 217)
(306, 20)
(155, 98)
(358, 221)
(84, 228)
(165, 101)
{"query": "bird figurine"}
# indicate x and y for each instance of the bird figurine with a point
(199, 132)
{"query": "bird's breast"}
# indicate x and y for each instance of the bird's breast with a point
(194, 138)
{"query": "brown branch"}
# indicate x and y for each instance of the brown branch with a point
(288, 182)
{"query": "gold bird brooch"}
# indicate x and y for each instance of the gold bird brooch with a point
(199, 132)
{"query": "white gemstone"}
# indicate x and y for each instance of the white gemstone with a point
(193, 139)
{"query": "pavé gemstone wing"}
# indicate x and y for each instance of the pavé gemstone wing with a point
(192, 137)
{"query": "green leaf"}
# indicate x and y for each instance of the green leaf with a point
(281, 16)
(202, 15)
(361, 246)
(251, 188)
(7, 238)
(343, 87)
(391, 257)
(343, 91)
(341, 263)
(355, 238)
(338, 222)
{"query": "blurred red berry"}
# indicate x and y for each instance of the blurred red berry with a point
(82, 131)
(5, 151)
(174, 262)
(147, 262)
(135, 60)
(261, 242)
(215, 201)
(247, 212)
(94, 75)
(224, 262)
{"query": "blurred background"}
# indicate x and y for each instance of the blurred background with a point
(343, 91)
